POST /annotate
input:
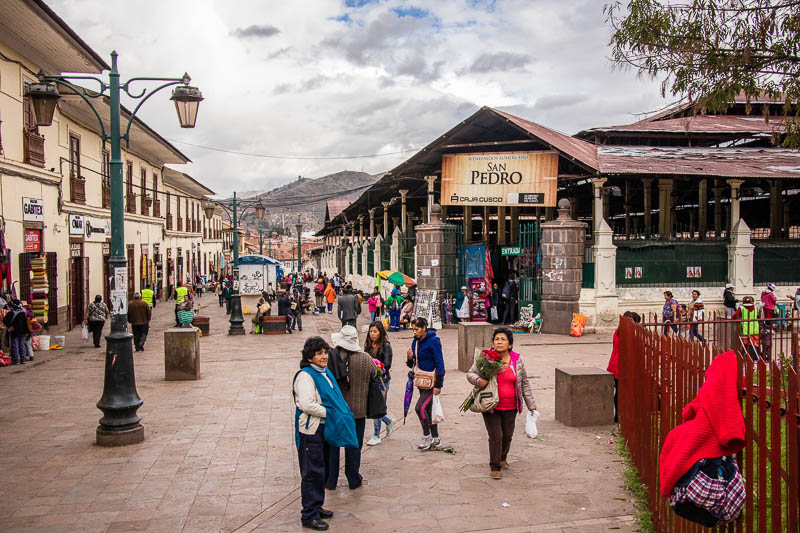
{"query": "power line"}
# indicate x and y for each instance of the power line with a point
(269, 156)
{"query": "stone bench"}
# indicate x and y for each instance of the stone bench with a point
(181, 354)
(584, 396)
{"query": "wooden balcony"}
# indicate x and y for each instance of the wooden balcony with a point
(33, 148)
(147, 201)
(106, 196)
(169, 221)
(130, 202)
(77, 190)
(157, 208)
(180, 224)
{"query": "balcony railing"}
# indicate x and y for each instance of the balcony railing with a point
(106, 196)
(169, 221)
(130, 202)
(33, 148)
(157, 208)
(77, 190)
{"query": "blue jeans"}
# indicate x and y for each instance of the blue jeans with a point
(394, 319)
(372, 316)
(386, 420)
(18, 348)
(352, 461)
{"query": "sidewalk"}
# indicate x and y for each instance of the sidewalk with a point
(219, 452)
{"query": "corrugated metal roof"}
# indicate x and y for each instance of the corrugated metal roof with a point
(699, 124)
(714, 162)
(334, 207)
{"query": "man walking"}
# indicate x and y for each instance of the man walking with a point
(139, 314)
(509, 296)
(349, 307)
(148, 296)
(227, 293)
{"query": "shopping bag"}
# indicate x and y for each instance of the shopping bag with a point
(493, 313)
(577, 325)
(437, 414)
(85, 332)
(530, 424)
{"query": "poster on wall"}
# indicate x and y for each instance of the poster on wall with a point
(500, 178)
(628, 273)
(32, 209)
(638, 273)
(477, 297)
(426, 306)
(251, 279)
(33, 240)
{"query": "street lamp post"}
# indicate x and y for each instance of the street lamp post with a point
(120, 425)
(232, 209)
(299, 228)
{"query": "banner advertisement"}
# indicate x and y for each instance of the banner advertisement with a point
(500, 179)
(96, 229)
(33, 240)
(32, 209)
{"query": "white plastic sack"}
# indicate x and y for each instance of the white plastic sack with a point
(437, 414)
(530, 424)
(85, 332)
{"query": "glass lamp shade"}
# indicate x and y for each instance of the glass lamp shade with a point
(44, 97)
(299, 228)
(187, 100)
(261, 211)
(209, 208)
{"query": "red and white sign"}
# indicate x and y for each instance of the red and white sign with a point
(33, 240)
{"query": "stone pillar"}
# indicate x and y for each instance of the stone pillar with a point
(467, 223)
(514, 233)
(360, 228)
(735, 184)
(597, 193)
(372, 222)
(648, 215)
(563, 242)
(665, 207)
(775, 209)
(501, 225)
(424, 215)
(385, 219)
(605, 279)
(395, 248)
(403, 213)
(376, 256)
(395, 224)
(702, 208)
(431, 183)
(435, 257)
(740, 259)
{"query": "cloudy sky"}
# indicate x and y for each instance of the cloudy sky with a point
(330, 78)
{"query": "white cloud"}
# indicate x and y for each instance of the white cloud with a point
(327, 79)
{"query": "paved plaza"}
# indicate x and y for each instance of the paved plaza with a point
(219, 452)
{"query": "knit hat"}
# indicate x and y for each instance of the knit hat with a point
(729, 286)
(771, 287)
(347, 338)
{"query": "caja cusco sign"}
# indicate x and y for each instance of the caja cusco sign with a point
(502, 178)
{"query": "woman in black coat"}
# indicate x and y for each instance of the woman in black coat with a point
(285, 309)
(378, 347)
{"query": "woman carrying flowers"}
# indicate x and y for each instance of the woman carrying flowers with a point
(379, 348)
(512, 387)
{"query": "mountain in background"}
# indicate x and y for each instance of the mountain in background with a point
(315, 191)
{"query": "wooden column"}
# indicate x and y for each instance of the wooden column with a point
(514, 233)
(717, 209)
(403, 213)
(467, 223)
(372, 222)
(386, 232)
(775, 209)
(501, 225)
(485, 226)
(648, 196)
(702, 208)
(665, 207)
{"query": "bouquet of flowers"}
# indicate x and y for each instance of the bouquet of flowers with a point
(381, 368)
(489, 363)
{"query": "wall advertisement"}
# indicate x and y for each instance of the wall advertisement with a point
(500, 179)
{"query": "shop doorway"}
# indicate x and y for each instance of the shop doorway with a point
(78, 289)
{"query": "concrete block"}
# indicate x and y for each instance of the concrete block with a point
(584, 396)
(472, 335)
(181, 354)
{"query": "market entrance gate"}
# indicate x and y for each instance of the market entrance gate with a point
(530, 265)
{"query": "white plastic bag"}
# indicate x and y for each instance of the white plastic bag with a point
(530, 424)
(437, 414)
(85, 332)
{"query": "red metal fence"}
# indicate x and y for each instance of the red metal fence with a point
(660, 374)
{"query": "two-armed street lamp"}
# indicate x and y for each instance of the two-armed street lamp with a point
(120, 401)
(231, 207)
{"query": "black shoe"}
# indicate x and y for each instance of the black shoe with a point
(325, 513)
(357, 485)
(22, 361)
(317, 525)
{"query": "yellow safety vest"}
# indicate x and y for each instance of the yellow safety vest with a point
(147, 296)
(182, 292)
(749, 324)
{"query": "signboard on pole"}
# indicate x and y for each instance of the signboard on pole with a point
(510, 250)
(500, 179)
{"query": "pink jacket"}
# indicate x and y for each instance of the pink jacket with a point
(374, 303)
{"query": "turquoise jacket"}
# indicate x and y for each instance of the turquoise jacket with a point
(340, 425)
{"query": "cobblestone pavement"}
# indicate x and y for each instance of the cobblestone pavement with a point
(219, 452)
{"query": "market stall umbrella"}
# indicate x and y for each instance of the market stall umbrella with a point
(398, 278)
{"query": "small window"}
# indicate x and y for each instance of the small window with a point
(74, 156)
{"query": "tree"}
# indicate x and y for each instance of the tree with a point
(710, 51)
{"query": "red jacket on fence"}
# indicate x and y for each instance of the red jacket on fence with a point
(713, 424)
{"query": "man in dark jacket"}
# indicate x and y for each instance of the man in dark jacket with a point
(139, 314)
(510, 295)
(729, 300)
(349, 307)
(285, 309)
(16, 323)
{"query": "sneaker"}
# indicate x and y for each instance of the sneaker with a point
(504, 465)
(496, 474)
(426, 443)
(389, 428)
(374, 440)
(435, 443)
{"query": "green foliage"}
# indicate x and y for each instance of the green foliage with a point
(710, 51)
(637, 489)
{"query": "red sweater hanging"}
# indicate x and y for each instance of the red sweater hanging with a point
(713, 424)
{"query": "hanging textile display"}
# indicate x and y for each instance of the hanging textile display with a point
(39, 289)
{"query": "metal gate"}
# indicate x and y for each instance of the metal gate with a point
(408, 241)
(386, 253)
(371, 258)
(453, 257)
(359, 259)
(530, 265)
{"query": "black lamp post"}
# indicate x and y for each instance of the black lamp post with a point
(120, 401)
(299, 228)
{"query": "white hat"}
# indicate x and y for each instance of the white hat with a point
(347, 338)
(729, 286)
(771, 287)
(464, 288)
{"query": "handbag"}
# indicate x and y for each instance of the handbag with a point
(493, 313)
(423, 379)
(376, 403)
(487, 398)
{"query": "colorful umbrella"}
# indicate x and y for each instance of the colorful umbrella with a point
(409, 394)
(398, 278)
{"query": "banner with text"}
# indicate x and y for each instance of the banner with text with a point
(502, 178)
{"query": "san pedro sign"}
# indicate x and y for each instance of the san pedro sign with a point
(502, 178)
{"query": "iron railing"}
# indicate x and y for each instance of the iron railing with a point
(386, 253)
(371, 258)
(530, 265)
